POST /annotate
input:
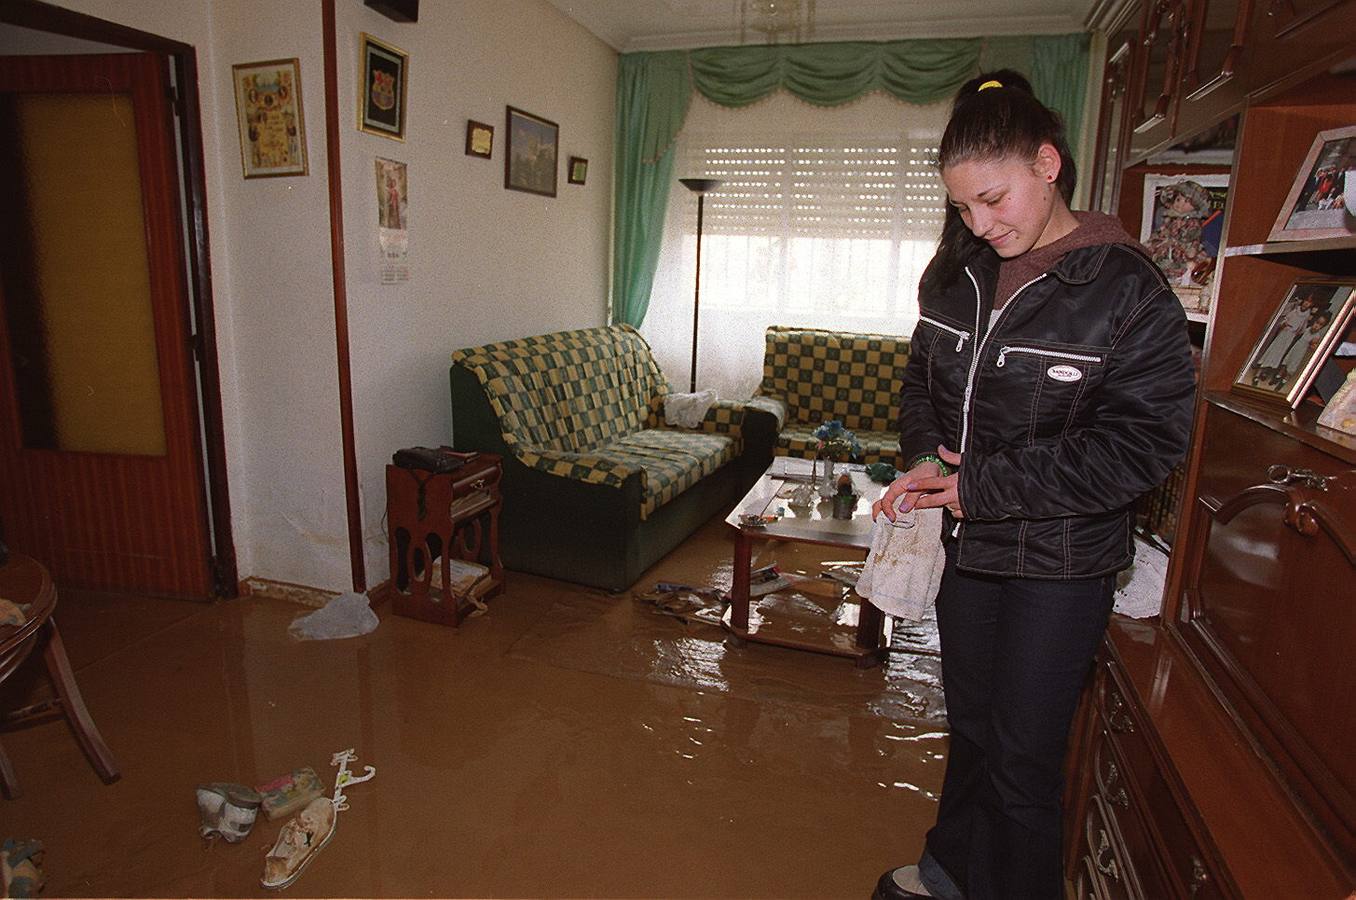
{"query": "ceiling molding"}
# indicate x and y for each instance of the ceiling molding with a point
(955, 28)
(630, 26)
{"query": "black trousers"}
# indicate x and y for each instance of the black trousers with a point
(1015, 655)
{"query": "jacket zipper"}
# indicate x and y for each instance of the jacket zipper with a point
(979, 349)
(962, 336)
(1036, 351)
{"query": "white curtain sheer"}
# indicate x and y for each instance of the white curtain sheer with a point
(825, 218)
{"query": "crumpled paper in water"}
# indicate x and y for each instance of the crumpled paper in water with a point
(347, 615)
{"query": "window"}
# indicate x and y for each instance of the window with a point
(824, 218)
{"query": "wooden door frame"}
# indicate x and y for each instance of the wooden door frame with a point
(42, 16)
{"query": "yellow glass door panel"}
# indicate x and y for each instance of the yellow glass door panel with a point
(84, 217)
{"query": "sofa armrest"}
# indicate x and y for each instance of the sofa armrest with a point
(774, 406)
(753, 424)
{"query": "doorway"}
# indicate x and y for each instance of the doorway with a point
(111, 457)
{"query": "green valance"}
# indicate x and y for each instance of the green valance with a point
(832, 74)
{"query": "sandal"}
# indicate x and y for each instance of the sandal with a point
(227, 810)
(298, 843)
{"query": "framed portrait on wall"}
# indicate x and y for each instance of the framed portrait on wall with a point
(530, 160)
(1182, 226)
(1320, 203)
(1292, 348)
(479, 139)
(269, 116)
(381, 98)
(578, 171)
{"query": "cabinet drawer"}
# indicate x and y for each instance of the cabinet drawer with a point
(1131, 781)
(1111, 858)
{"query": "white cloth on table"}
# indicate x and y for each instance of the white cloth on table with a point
(688, 410)
(904, 566)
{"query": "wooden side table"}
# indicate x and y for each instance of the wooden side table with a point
(439, 518)
(24, 581)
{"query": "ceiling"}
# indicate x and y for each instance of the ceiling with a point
(632, 25)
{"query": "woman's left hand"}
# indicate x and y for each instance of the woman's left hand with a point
(941, 490)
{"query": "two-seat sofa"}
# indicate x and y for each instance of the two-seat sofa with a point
(596, 487)
(812, 376)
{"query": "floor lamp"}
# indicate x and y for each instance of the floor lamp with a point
(700, 187)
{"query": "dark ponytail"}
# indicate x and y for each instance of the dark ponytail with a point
(995, 116)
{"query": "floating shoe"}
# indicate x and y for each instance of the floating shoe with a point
(301, 838)
(227, 810)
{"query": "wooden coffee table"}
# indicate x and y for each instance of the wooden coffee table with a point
(807, 526)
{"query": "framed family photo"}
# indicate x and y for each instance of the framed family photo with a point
(1295, 343)
(1340, 412)
(1320, 201)
(1182, 225)
(381, 98)
(269, 115)
(530, 160)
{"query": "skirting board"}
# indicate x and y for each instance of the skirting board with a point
(282, 590)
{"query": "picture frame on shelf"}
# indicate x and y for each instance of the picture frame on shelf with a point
(479, 139)
(270, 119)
(578, 170)
(1182, 226)
(531, 154)
(1322, 201)
(385, 80)
(1340, 412)
(1304, 328)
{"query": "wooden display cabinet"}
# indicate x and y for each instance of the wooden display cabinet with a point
(1212, 752)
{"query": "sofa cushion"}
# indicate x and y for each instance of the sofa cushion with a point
(669, 460)
(569, 391)
(823, 375)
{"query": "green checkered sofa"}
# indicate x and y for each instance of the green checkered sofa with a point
(812, 376)
(596, 487)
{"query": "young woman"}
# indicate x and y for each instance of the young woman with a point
(1049, 385)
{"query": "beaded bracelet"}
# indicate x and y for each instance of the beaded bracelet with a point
(933, 458)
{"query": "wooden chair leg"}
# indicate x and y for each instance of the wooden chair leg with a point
(8, 782)
(73, 705)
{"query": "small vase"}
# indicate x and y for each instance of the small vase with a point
(844, 505)
(827, 485)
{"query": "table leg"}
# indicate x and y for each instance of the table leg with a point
(73, 705)
(739, 592)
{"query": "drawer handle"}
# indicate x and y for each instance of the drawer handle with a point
(1115, 792)
(1279, 474)
(1118, 717)
(1107, 868)
(1200, 876)
(478, 484)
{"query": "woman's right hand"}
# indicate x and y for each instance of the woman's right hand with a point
(899, 487)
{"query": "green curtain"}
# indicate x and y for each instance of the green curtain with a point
(654, 90)
(1059, 76)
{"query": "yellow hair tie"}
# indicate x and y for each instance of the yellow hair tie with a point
(988, 84)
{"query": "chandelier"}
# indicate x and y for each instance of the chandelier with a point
(777, 20)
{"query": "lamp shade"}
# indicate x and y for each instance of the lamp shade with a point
(699, 185)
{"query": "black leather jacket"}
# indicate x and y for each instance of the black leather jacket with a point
(1077, 402)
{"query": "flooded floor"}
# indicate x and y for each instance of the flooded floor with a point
(569, 743)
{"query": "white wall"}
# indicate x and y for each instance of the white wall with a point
(486, 263)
